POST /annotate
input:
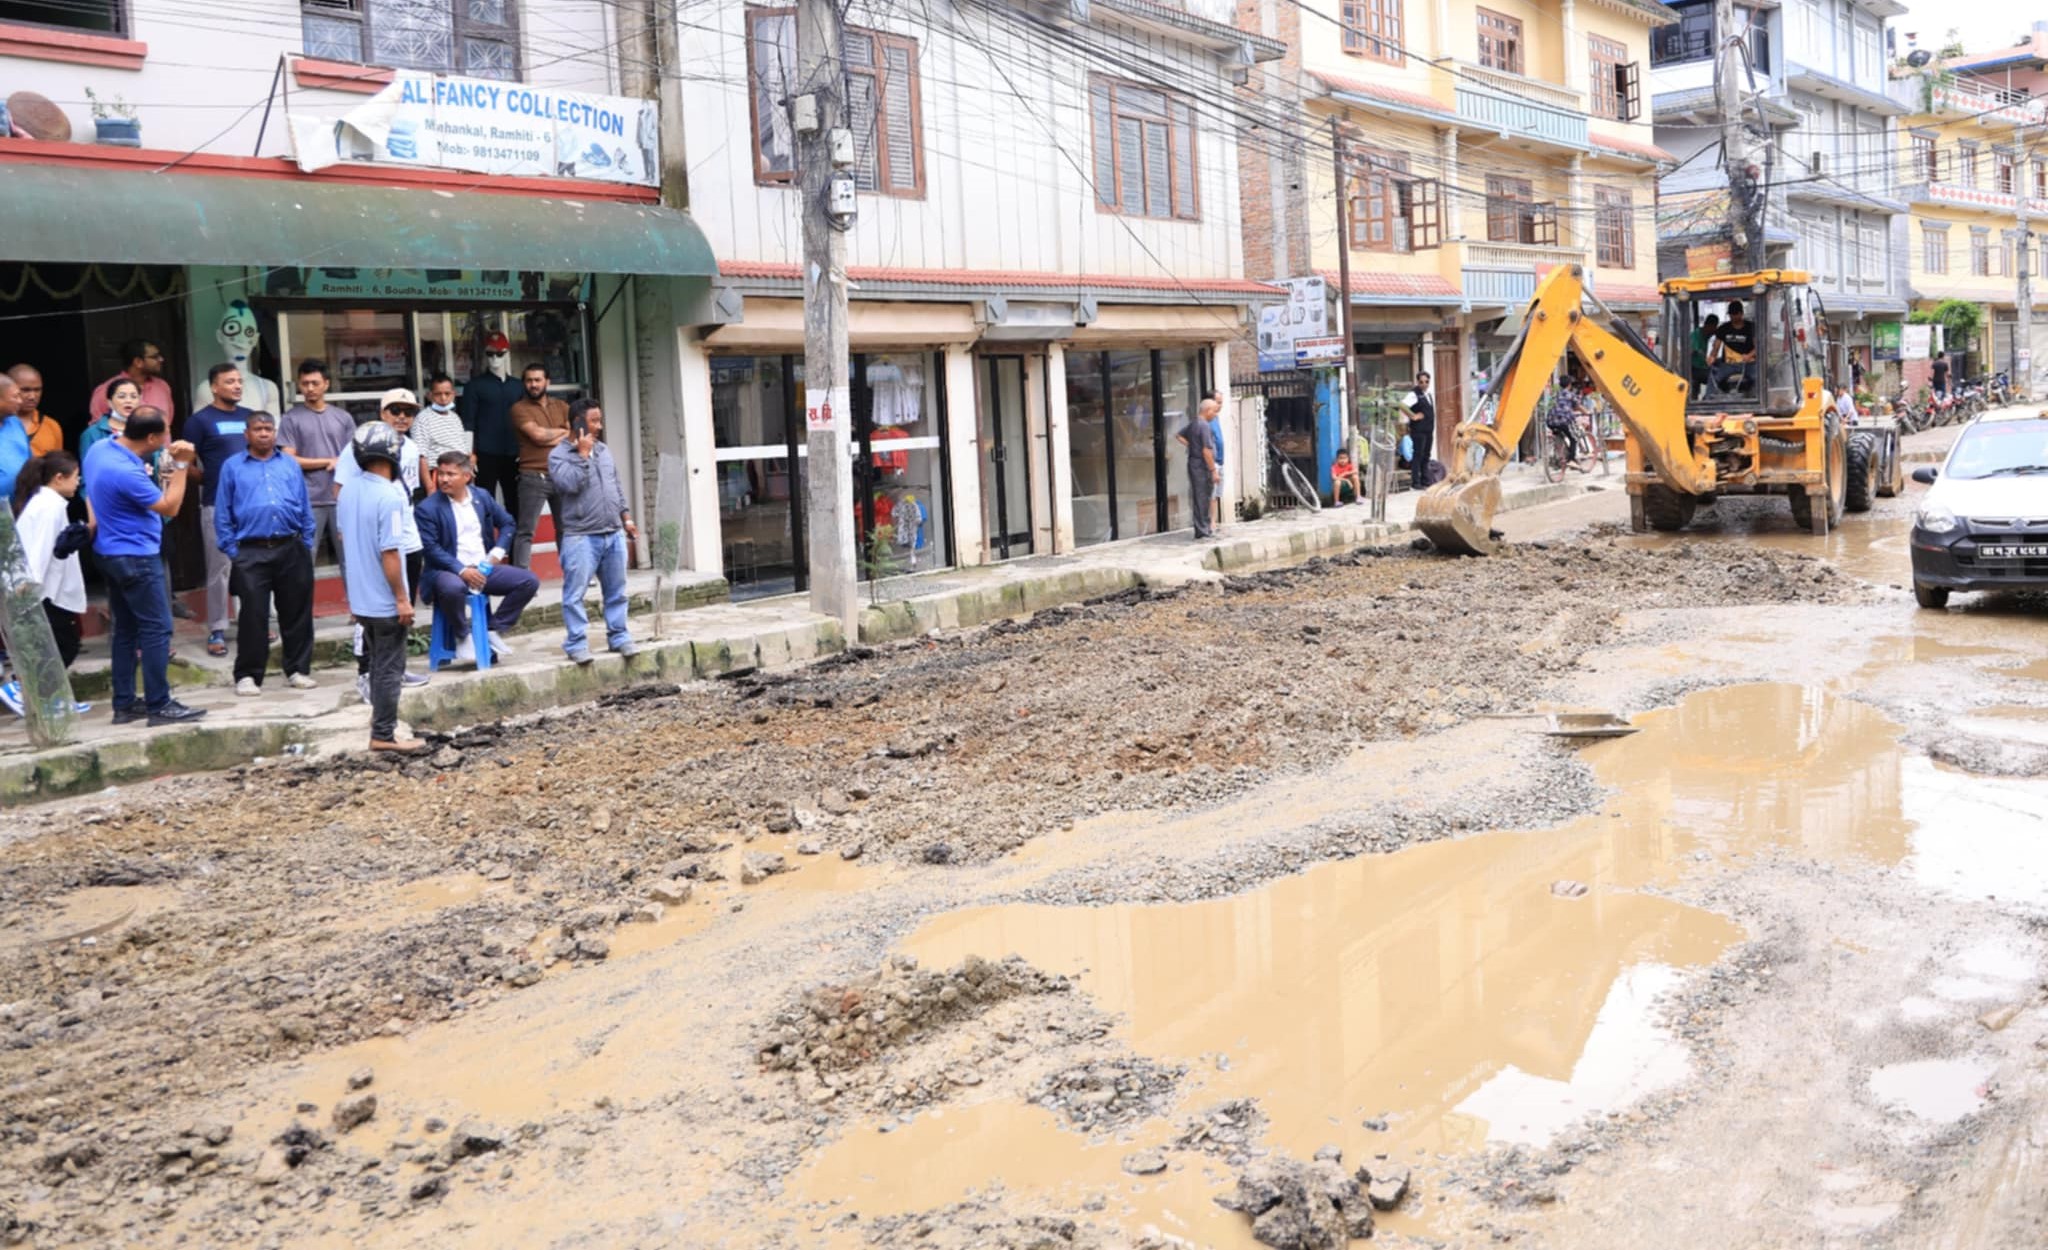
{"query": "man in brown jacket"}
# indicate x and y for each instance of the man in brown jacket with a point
(541, 421)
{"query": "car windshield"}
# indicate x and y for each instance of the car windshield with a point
(2000, 449)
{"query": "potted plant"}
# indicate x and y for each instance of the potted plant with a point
(114, 121)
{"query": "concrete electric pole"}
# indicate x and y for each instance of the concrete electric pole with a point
(1344, 282)
(825, 186)
(2023, 350)
(1745, 196)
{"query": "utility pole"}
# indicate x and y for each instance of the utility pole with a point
(2023, 186)
(1344, 283)
(824, 148)
(1745, 196)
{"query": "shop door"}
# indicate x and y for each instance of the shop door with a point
(1005, 466)
(755, 420)
(900, 486)
(1449, 398)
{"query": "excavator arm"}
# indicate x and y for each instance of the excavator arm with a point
(1457, 514)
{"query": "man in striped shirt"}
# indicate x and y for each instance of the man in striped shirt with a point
(438, 427)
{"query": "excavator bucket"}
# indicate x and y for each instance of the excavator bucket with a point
(1458, 516)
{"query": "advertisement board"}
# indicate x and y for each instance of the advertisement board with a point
(1305, 315)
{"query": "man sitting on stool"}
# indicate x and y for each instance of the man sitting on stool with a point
(462, 531)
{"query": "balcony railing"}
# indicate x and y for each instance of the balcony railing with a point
(1987, 103)
(1550, 115)
(1959, 195)
(1516, 84)
(1506, 273)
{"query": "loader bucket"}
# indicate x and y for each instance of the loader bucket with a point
(1458, 516)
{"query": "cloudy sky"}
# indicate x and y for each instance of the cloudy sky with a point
(1981, 24)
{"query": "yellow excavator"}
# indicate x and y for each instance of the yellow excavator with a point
(1746, 418)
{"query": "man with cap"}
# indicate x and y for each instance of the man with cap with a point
(486, 408)
(372, 513)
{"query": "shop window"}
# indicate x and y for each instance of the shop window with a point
(901, 484)
(99, 17)
(1934, 249)
(474, 38)
(1614, 228)
(1617, 81)
(1125, 410)
(883, 113)
(760, 481)
(1144, 144)
(1374, 29)
(371, 351)
(1500, 41)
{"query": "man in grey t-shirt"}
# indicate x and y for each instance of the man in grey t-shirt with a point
(315, 432)
(1203, 471)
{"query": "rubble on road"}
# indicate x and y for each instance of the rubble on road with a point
(1294, 1205)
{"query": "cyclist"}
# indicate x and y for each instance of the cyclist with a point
(1567, 417)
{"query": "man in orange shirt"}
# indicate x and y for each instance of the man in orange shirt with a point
(44, 434)
(540, 421)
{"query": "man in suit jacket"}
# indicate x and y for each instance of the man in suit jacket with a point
(463, 535)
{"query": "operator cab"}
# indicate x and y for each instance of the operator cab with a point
(1747, 341)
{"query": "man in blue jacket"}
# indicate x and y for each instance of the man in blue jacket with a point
(463, 536)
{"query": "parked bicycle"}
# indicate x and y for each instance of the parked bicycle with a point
(1287, 486)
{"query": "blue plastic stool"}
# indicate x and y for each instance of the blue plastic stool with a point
(442, 641)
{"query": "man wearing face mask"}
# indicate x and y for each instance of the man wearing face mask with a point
(438, 428)
(486, 410)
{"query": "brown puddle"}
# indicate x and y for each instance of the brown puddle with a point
(1870, 548)
(1445, 986)
(85, 915)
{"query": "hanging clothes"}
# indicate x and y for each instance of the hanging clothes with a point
(889, 461)
(897, 386)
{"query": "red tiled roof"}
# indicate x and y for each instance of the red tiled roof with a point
(1648, 151)
(777, 271)
(1406, 284)
(1405, 99)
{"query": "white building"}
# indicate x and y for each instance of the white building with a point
(1046, 276)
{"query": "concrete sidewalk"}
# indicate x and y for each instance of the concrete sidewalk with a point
(701, 641)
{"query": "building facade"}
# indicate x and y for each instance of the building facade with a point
(1971, 160)
(205, 234)
(1482, 144)
(1045, 267)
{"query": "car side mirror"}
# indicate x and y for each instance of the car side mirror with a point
(1926, 476)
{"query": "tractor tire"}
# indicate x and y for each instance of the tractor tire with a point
(1668, 510)
(1931, 597)
(1838, 469)
(1856, 489)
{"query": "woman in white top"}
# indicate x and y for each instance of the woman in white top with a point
(50, 542)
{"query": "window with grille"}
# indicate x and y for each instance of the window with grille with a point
(2005, 172)
(1614, 228)
(882, 112)
(1934, 249)
(474, 38)
(1873, 252)
(2040, 180)
(1980, 253)
(1617, 90)
(1500, 41)
(1966, 164)
(98, 17)
(1144, 141)
(1375, 29)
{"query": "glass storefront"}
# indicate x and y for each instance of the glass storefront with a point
(374, 350)
(1125, 410)
(902, 518)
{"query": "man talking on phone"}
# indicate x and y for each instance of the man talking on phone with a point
(595, 526)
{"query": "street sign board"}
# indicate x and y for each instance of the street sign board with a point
(1319, 351)
(1305, 315)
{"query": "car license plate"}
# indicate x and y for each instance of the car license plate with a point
(2030, 551)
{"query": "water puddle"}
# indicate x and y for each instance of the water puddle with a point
(1446, 987)
(86, 915)
(1939, 1091)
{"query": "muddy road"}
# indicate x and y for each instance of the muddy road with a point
(1049, 934)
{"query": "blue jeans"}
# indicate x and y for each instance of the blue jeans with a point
(142, 621)
(604, 555)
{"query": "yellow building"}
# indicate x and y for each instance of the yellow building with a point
(1970, 157)
(1483, 144)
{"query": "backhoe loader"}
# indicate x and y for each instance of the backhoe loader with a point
(1745, 418)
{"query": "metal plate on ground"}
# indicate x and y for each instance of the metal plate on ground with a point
(1587, 725)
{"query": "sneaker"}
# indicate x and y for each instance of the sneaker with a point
(580, 655)
(414, 680)
(129, 715)
(80, 709)
(627, 649)
(10, 695)
(497, 643)
(363, 687)
(217, 643)
(301, 681)
(247, 688)
(465, 652)
(174, 713)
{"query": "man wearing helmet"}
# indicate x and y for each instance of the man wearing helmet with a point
(371, 514)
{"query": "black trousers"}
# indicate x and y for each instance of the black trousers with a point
(414, 563)
(261, 572)
(64, 628)
(499, 474)
(1422, 437)
(384, 647)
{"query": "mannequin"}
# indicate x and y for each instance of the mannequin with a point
(486, 408)
(238, 337)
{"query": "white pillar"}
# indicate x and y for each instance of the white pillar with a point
(1581, 215)
(1058, 449)
(1236, 450)
(701, 538)
(1577, 52)
(965, 455)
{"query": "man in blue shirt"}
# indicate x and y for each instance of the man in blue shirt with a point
(216, 432)
(14, 448)
(371, 515)
(130, 511)
(264, 524)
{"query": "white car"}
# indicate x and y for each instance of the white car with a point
(1984, 525)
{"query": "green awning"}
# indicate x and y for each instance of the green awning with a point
(81, 216)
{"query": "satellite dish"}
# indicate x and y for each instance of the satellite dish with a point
(1919, 57)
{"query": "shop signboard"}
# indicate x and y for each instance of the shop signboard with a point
(465, 285)
(1305, 315)
(1709, 260)
(489, 127)
(1916, 342)
(1319, 351)
(1885, 340)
